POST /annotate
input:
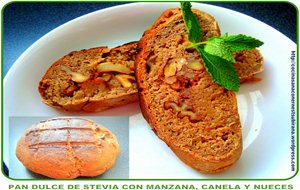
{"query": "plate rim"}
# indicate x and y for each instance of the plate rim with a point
(19, 61)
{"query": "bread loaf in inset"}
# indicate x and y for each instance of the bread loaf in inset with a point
(66, 148)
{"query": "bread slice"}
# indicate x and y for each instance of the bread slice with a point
(248, 64)
(91, 80)
(194, 116)
(66, 148)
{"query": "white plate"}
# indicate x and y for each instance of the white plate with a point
(264, 106)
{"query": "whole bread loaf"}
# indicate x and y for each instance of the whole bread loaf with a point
(66, 148)
(91, 80)
(194, 116)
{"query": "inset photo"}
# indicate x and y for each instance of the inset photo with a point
(68, 147)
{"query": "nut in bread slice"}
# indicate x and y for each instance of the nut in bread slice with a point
(91, 80)
(194, 116)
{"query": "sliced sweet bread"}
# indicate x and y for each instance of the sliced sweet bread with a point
(248, 64)
(100, 78)
(91, 80)
(197, 118)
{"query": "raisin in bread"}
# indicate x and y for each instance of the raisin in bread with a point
(91, 80)
(197, 118)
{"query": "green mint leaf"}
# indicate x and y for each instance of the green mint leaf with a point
(191, 23)
(217, 51)
(221, 70)
(241, 42)
(217, 46)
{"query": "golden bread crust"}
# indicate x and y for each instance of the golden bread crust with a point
(66, 148)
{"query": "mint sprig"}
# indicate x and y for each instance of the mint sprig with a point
(216, 51)
(222, 71)
(241, 42)
(223, 46)
(218, 47)
(191, 22)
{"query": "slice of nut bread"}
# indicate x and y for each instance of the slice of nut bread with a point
(91, 80)
(248, 64)
(194, 116)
